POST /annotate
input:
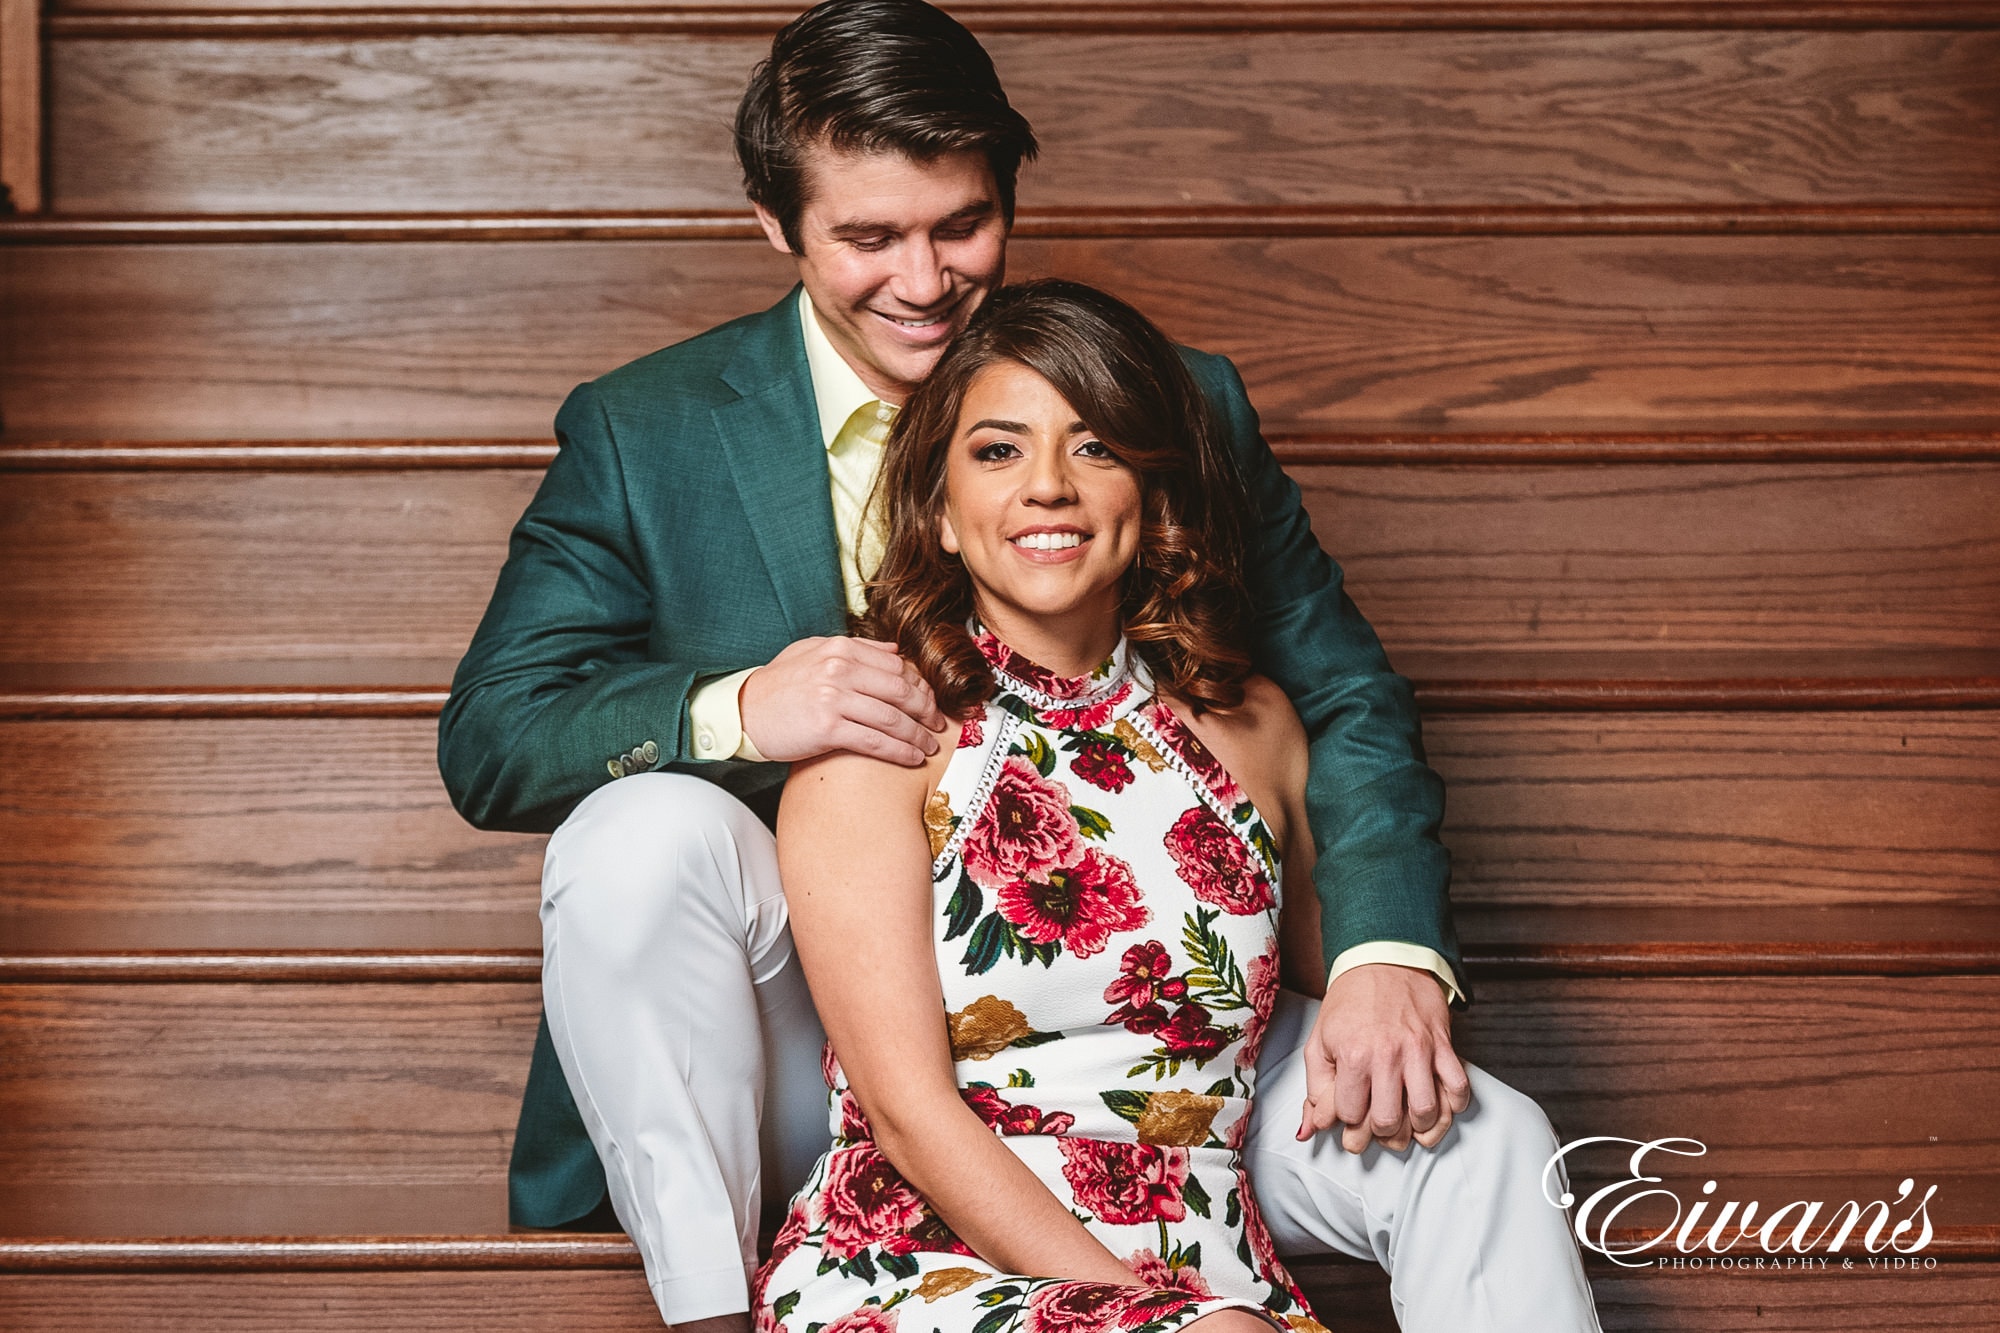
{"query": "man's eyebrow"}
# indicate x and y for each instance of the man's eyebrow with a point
(979, 208)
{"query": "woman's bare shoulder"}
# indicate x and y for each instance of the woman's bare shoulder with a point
(1265, 720)
(843, 786)
(1261, 742)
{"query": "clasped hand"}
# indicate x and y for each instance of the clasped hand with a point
(1379, 1060)
(821, 695)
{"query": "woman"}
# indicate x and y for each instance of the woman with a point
(1046, 959)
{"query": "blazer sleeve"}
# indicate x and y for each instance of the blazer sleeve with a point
(557, 683)
(1374, 804)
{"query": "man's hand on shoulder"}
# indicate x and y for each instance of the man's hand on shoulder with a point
(821, 695)
(1379, 1061)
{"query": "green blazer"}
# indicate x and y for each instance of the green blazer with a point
(685, 531)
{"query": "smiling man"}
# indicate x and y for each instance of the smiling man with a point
(669, 631)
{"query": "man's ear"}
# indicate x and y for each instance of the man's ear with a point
(773, 232)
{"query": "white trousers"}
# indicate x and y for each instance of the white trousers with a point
(684, 1027)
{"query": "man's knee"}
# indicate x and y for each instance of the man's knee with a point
(648, 854)
(1507, 1121)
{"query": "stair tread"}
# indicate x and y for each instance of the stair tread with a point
(49, 946)
(1645, 675)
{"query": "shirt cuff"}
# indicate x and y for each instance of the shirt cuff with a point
(715, 719)
(1404, 954)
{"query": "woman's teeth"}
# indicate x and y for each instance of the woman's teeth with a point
(1049, 541)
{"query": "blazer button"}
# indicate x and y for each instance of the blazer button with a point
(650, 752)
(617, 770)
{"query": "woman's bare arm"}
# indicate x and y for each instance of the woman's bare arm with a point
(856, 866)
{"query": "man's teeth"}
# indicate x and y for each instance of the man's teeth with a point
(915, 323)
(1049, 541)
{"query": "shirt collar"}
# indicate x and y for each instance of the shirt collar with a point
(837, 391)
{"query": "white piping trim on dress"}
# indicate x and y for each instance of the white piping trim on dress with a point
(1172, 755)
(982, 790)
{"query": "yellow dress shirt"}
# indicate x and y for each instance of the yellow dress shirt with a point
(715, 715)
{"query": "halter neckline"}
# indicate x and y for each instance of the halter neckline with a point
(1041, 688)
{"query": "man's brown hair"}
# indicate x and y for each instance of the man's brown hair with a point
(870, 76)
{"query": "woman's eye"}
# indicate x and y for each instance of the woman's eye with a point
(994, 452)
(1095, 449)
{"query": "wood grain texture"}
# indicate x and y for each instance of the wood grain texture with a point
(138, 1110)
(762, 17)
(1719, 809)
(234, 834)
(1336, 448)
(1269, 220)
(155, 1102)
(1775, 556)
(21, 128)
(285, 566)
(632, 120)
(338, 1303)
(1469, 681)
(518, 1251)
(1902, 939)
(1958, 1299)
(1344, 333)
(223, 839)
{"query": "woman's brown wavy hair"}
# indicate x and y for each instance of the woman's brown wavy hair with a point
(1185, 606)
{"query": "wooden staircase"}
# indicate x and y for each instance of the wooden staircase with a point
(1640, 362)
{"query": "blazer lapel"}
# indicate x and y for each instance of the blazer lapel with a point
(770, 436)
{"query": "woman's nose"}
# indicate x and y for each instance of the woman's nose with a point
(1049, 481)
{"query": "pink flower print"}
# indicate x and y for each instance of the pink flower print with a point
(1004, 1117)
(1194, 754)
(1262, 981)
(1076, 1307)
(1025, 830)
(1102, 765)
(1216, 865)
(1145, 977)
(1152, 1270)
(866, 1201)
(868, 1319)
(1083, 905)
(1126, 1183)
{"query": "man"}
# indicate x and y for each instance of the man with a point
(668, 632)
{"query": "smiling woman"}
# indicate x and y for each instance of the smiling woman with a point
(1063, 456)
(1086, 883)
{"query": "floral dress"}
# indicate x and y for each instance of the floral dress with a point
(1106, 930)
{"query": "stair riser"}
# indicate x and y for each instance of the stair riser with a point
(210, 566)
(336, 833)
(483, 339)
(167, 1108)
(1954, 1299)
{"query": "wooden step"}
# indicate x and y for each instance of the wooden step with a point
(1572, 940)
(191, 565)
(453, 112)
(150, 1108)
(285, 339)
(242, 825)
(1956, 1297)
